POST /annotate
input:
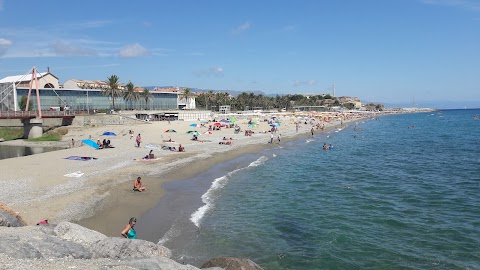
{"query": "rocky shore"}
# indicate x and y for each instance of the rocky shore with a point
(70, 246)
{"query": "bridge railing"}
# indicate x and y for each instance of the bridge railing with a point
(29, 114)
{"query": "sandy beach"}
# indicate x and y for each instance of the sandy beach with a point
(101, 197)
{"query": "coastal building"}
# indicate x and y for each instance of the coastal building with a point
(81, 95)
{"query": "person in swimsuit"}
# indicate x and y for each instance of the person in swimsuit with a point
(129, 232)
(137, 185)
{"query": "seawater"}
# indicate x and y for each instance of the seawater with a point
(397, 192)
(8, 151)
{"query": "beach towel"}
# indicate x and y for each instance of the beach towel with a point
(80, 158)
(74, 174)
(151, 146)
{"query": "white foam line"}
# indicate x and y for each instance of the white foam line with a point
(209, 197)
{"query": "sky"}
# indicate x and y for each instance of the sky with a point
(399, 52)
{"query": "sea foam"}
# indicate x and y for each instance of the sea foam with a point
(213, 192)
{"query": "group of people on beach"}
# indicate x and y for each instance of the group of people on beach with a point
(104, 144)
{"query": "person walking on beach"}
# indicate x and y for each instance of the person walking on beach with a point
(271, 137)
(138, 140)
(279, 138)
(129, 232)
(312, 131)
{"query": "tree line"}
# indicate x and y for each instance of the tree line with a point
(248, 101)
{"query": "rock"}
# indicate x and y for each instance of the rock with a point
(231, 263)
(100, 264)
(31, 242)
(118, 248)
(78, 234)
(157, 263)
(8, 220)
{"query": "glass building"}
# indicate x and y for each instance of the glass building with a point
(90, 99)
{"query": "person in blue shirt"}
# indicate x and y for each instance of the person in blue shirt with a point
(129, 232)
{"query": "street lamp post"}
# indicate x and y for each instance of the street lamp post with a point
(88, 108)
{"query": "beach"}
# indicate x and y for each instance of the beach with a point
(100, 196)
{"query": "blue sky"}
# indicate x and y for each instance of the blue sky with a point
(390, 51)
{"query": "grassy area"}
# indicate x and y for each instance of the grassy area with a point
(11, 133)
(46, 137)
(52, 135)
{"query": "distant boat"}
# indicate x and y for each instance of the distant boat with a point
(475, 117)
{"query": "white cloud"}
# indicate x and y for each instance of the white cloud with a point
(465, 4)
(5, 41)
(4, 45)
(304, 83)
(213, 71)
(62, 48)
(242, 28)
(133, 50)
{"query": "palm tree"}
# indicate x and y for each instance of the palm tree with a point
(130, 95)
(113, 90)
(208, 97)
(146, 95)
(186, 94)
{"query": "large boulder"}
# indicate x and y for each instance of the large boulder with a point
(9, 218)
(31, 242)
(231, 263)
(78, 234)
(122, 248)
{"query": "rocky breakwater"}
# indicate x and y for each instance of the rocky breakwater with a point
(68, 245)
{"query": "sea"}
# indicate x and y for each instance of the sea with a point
(393, 192)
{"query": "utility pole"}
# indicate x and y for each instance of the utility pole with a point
(88, 108)
(333, 88)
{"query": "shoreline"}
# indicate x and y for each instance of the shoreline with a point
(102, 199)
(106, 216)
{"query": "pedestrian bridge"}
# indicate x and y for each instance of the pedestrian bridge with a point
(33, 120)
(35, 114)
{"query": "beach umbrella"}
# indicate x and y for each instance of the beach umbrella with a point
(170, 130)
(193, 132)
(251, 125)
(193, 125)
(224, 120)
(109, 133)
(233, 120)
(208, 132)
(217, 124)
(91, 143)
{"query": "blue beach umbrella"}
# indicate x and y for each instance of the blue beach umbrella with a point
(109, 133)
(193, 125)
(91, 143)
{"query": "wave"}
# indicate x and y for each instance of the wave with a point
(212, 193)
